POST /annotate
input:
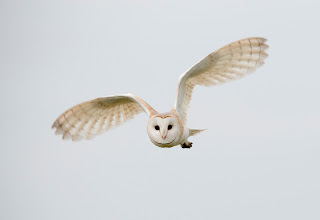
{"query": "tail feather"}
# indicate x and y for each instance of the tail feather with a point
(194, 132)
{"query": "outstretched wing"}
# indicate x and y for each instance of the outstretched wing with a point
(91, 118)
(230, 62)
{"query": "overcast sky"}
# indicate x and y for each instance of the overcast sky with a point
(258, 158)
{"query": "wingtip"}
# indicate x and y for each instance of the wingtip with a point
(263, 39)
(53, 126)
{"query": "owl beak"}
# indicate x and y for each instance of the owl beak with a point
(164, 135)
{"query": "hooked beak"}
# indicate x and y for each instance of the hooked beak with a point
(164, 135)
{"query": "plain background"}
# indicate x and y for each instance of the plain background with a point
(259, 158)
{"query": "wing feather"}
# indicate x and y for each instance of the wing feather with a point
(230, 62)
(94, 117)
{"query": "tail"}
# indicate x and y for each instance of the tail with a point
(194, 132)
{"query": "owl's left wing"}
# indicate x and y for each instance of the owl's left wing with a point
(232, 61)
(91, 118)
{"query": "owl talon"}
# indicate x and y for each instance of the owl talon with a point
(186, 145)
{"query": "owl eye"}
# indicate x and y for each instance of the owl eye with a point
(157, 127)
(169, 127)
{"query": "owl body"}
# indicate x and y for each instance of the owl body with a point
(94, 117)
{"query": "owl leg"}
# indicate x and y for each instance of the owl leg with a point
(186, 144)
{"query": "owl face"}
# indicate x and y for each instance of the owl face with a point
(163, 131)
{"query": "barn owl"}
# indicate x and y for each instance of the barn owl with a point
(94, 117)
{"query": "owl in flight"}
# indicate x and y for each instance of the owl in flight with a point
(94, 117)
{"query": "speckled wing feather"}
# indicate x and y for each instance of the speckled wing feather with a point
(91, 118)
(230, 62)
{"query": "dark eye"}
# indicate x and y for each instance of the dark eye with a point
(156, 127)
(169, 127)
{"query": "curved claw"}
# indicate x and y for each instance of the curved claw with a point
(186, 145)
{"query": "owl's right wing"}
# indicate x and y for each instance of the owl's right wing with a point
(91, 118)
(230, 62)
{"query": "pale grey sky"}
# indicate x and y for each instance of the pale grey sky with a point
(259, 158)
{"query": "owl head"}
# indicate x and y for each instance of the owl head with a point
(164, 130)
